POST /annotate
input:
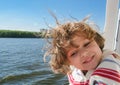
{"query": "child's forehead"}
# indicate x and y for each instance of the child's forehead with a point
(76, 40)
(78, 35)
(71, 43)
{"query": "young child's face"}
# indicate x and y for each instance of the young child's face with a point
(87, 54)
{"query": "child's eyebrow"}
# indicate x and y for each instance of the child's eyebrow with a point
(74, 45)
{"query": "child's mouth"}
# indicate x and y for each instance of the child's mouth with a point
(88, 60)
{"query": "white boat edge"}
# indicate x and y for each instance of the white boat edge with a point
(111, 30)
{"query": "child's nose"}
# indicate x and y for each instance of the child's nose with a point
(84, 53)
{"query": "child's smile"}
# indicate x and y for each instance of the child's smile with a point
(86, 55)
(88, 60)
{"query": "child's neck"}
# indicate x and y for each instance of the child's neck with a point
(84, 72)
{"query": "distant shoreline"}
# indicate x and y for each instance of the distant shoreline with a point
(21, 34)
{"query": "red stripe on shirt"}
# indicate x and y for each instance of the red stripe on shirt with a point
(108, 73)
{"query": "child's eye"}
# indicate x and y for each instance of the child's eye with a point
(86, 44)
(73, 53)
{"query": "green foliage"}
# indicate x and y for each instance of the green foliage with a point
(19, 34)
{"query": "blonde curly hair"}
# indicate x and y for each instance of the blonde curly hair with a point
(62, 36)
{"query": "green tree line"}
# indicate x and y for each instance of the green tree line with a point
(20, 34)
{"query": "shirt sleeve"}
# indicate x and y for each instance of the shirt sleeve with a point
(107, 73)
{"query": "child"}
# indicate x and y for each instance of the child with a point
(77, 50)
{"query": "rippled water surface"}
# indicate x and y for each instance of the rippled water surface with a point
(21, 63)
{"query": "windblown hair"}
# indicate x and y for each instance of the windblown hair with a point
(62, 36)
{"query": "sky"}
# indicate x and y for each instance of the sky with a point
(32, 15)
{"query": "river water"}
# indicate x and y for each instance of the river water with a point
(21, 63)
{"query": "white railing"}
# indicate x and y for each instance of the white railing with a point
(111, 24)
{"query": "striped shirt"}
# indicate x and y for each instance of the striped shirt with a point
(107, 73)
